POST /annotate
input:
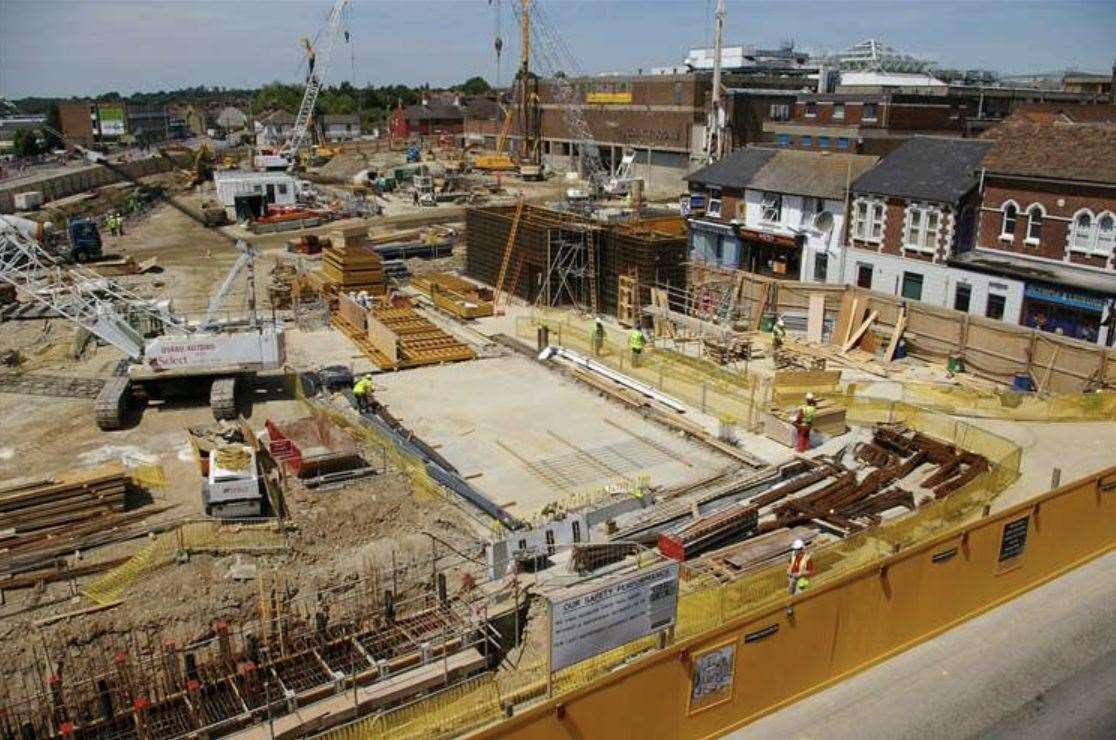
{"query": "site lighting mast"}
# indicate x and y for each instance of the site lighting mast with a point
(715, 125)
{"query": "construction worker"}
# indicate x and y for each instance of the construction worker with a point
(362, 392)
(597, 338)
(804, 422)
(778, 333)
(636, 343)
(800, 567)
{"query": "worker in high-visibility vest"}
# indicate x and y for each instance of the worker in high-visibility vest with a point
(804, 422)
(362, 392)
(778, 333)
(597, 337)
(800, 567)
(636, 343)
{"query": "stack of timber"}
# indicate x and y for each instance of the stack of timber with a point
(455, 295)
(397, 337)
(829, 421)
(64, 500)
(349, 265)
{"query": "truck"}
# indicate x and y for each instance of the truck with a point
(81, 242)
(232, 487)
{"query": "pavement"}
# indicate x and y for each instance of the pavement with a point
(1040, 666)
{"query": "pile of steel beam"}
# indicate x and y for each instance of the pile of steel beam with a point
(708, 532)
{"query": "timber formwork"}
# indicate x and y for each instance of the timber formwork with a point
(653, 251)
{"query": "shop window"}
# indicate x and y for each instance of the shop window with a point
(996, 304)
(782, 139)
(823, 142)
(842, 142)
(1007, 227)
(962, 297)
(863, 275)
(912, 286)
(821, 267)
(1034, 224)
(806, 141)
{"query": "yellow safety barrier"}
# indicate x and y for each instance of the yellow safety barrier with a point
(149, 476)
(208, 535)
(703, 385)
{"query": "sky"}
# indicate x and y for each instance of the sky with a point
(83, 47)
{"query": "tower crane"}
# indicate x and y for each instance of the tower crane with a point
(317, 60)
(181, 359)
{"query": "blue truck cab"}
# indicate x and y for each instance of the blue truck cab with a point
(83, 240)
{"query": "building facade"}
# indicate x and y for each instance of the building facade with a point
(910, 218)
(774, 213)
(1048, 218)
(341, 127)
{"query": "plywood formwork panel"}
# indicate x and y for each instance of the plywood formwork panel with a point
(933, 334)
(996, 349)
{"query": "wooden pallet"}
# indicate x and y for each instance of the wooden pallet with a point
(398, 338)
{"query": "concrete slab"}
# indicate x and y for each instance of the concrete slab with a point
(533, 435)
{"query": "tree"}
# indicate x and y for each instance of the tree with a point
(475, 86)
(26, 143)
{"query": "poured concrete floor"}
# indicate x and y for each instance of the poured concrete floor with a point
(534, 436)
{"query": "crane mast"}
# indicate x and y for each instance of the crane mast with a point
(715, 124)
(319, 64)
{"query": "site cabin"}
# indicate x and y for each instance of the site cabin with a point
(247, 195)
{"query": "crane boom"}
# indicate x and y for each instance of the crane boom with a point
(554, 59)
(319, 64)
(247, 254)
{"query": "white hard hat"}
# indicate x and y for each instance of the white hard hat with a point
(779, 321)
(809, 396)
(798, 545)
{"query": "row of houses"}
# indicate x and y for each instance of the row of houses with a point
(1017, 225)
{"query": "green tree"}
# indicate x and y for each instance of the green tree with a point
(475, 86)
(26, 143)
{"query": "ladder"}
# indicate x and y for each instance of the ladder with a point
(505, 261)
(591, 269)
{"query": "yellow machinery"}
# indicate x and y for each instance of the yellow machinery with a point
(498, 160)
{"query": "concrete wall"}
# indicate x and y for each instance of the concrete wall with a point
(86, 178)
(939, 282)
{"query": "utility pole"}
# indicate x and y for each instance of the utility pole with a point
(714, 127)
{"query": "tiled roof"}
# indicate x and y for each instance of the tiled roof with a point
(815, 174)
(734, 171)
(927, 168)
(1085, 152)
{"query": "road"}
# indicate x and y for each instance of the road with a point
(1041, 666)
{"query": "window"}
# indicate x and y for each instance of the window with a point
(962, 297)
(863, 275)
(772, 208)
(1106, 234)
(714, 208)
(922, 228)
(1007, 229)
(806, 141)
(257, 188)
(1034, 224)
(811, 110)
(1081, 237)
(912, 286)
(782, 139)
(576, 531)
(823, 142)
(821, 267)
(996, 305)
(282, 189)
(868, 223)
(838, 111)
(779, 112)
(842, 142)
(871, 110)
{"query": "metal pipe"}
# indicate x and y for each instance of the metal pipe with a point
(628, 382)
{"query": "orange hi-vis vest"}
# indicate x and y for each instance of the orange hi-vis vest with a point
(801, 564)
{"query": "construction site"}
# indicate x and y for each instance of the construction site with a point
(486, 453)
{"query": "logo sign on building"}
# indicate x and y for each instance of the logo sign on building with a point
(112, 120)
(597, 621)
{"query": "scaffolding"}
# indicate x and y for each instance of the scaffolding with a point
(570, 278)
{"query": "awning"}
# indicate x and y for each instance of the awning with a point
(713, 226)
(787, 241)
(1064, 297)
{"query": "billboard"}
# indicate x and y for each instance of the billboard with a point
(597, 621)
(111, 118)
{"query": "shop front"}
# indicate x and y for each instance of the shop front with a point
(1068, 311)
(714, 243)
(772, 254)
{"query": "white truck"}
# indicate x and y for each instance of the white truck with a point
(232, 489)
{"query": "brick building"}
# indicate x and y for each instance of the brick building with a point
(1048, 218)
(868, 123)
(913, 214)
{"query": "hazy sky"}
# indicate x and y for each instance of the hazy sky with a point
(53, 47)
